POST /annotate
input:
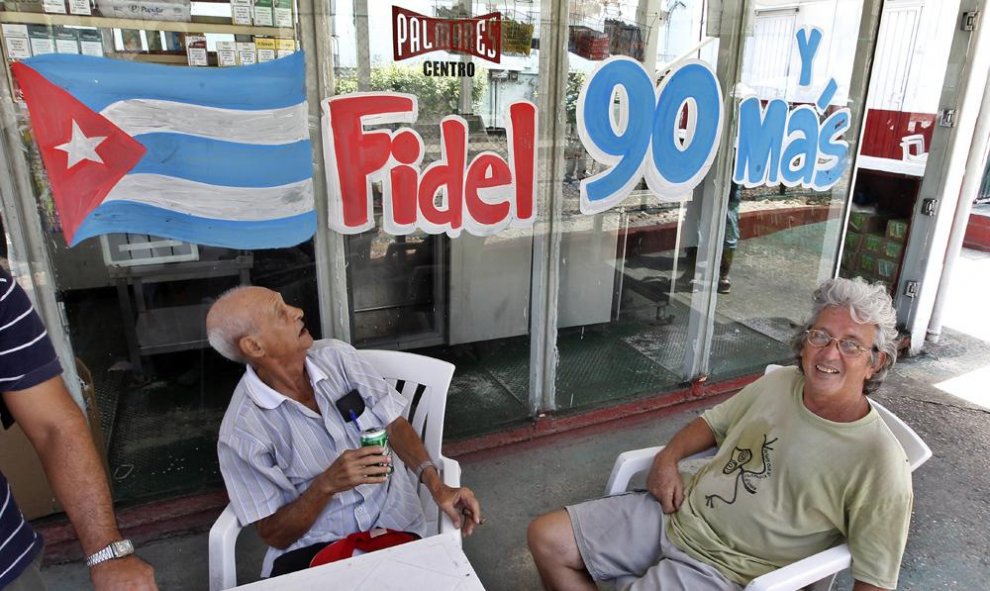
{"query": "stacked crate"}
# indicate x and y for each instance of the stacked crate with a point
(874, 247)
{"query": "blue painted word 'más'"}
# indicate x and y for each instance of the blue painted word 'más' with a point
(779, 144)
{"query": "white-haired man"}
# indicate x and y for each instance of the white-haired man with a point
(803, 462)
(292, 463)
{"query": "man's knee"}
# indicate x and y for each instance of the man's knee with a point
(551, 539)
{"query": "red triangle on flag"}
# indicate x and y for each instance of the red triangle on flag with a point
(79, 181)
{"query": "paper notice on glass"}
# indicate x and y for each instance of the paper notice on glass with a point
(226, 54)
(266, 49)
(41, 40)
(196, 50)
(263, 13)
(90, 42)
(80, 7)
(16, 39)
(247, 53)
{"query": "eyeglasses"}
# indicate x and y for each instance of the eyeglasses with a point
(821, 339)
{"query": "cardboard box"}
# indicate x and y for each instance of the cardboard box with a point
(898, 230)
(91, 42)
(866, 222)
(282, 12)
(263, 15)
(17, 41)
(852, 242)
(866, 264)
(849, 258)
(226, 53)
(872, 243)
(42, 40)
(266, 49)
(887, 270)
(892, 249)
(66, 40)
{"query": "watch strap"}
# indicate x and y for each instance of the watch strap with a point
(422, 468)
(115, 549)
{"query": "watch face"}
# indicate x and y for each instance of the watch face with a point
(122, 548)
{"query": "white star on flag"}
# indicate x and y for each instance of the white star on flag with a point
(80, 147)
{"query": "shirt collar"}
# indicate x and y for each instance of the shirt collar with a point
(267, 397)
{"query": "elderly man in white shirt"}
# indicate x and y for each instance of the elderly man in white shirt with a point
(291, 462)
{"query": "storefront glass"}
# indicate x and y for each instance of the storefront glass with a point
(582, 306)
(625, 273)
(464, 299)
(780, 241)
(134, 304)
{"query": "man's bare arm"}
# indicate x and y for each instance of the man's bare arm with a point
(352, 468)
(861, 586)
(664, 481)
(455, 502)
(58, 431)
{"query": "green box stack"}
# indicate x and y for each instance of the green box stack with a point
(873, 247)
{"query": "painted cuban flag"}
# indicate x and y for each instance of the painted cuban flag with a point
(205, 155)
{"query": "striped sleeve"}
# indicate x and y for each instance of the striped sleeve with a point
(27, 357)
(256, 486)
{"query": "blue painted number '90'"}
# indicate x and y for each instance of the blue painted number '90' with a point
(669, 135)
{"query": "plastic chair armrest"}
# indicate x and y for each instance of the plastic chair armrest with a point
(450, 470)
(805, 571)
(628, 464)
(222, 543)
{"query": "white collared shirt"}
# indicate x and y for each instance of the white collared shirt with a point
(272, 447)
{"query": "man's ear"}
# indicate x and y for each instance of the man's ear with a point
(878, 361)
(251, 347)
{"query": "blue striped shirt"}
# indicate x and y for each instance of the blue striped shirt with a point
(272, 447)
(27, 358)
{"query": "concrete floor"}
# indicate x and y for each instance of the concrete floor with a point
(942, 393)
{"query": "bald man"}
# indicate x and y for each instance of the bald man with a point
(291, 462)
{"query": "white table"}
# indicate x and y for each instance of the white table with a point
(436, 563)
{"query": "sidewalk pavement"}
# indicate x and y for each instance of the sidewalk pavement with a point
(941, 393)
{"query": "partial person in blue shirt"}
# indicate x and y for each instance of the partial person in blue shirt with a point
(292, 462)
(34, 396)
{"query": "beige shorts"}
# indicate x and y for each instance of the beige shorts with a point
(622, 538)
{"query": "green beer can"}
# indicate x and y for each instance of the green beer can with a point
(377, 436)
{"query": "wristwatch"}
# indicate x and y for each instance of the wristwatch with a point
(118, 549)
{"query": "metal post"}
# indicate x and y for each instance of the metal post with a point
(976, 162)
(316, 34)
(546, 231)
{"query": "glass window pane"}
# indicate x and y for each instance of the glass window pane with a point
(626, 273)
(134, 302)
(464, 298)
(780, 241)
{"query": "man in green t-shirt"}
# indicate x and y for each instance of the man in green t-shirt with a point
(803, 462)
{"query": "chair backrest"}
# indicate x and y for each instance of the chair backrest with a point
(425, 382)
(914, 446)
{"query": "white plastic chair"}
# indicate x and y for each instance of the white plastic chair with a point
(424, 381)
(816, 572)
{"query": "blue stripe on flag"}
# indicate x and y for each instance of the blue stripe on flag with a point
(124, 216)
(218, 162)
(98, 82)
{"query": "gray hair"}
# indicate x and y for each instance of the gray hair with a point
(224, 329)
(867, 304)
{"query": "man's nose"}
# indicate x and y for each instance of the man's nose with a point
(832, 350)
(297, 313)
